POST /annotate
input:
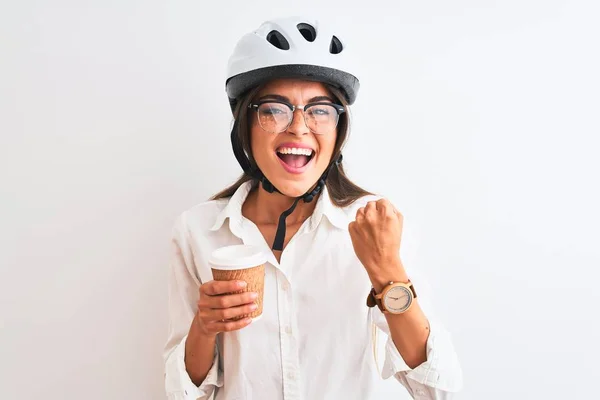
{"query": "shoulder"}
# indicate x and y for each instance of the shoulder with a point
(200, 217)
(351, 209)
(364, 200)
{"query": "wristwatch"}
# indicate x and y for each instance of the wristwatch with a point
(395, 298)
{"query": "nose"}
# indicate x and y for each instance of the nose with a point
(298, 126)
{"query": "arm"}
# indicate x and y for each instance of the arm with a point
(376, 237)
(199, 353)
(439, 375)
(410, 330)
(215, 309)
(419, 352)
(197, 314)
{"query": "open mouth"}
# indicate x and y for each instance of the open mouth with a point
(295, 158)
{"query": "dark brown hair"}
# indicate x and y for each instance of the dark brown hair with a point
(342, 190)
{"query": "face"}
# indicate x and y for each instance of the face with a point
(292, 160)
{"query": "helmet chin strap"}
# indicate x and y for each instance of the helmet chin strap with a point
(307, 197)
(270, 188)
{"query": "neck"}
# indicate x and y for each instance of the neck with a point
(264, 208)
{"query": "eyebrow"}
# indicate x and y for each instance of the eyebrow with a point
(287, 100)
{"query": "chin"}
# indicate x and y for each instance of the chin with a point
(293, 188)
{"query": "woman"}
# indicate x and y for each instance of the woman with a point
(332, 245)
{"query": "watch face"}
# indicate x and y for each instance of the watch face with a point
(397, 299)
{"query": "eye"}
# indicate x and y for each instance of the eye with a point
(272, 109)
(322, 110)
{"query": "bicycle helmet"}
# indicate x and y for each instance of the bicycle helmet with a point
(292, 47)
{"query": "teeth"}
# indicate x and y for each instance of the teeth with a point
(295, 150)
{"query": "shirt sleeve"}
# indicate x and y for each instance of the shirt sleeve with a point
(440, 375)
(437, 378)
(183, 285)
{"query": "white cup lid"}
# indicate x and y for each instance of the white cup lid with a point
(238, 256)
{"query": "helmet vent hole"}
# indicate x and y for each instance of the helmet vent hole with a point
(336, 46)
(308, 31)
(278, 40)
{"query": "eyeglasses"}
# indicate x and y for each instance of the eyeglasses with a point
(276, 116)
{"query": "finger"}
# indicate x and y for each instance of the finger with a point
(399, 215)
(352, 229)
(394, 211)
(388, 209)
(214, 288)
(371, 213)
(227, 300)
(227, 313)
(391, 213)
(229, 326)
(371, 207)
(360, 213)
(383, 204)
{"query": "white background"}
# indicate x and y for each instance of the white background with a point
(478, 119)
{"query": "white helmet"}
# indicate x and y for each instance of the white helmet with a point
(292, 47)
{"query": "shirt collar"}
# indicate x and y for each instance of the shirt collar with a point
(325, 207)
(233, 210)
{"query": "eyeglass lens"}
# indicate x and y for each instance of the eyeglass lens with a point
(277, 117)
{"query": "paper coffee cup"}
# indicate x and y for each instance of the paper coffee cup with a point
(245, 263)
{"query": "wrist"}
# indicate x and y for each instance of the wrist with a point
(197, 330)
(394, 272)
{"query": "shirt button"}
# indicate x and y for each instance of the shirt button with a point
(291, 375)
(420, 392)
(288, 330)
(285, 286)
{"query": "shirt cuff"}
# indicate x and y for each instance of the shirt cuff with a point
(179, 385)
(441, 370)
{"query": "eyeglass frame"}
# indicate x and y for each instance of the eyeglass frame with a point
(338, 107)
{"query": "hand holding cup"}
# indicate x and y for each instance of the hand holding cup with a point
(235, 297)
(222, 306)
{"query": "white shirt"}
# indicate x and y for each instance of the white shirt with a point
(315, 337)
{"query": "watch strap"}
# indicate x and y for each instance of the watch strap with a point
(371, 300)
